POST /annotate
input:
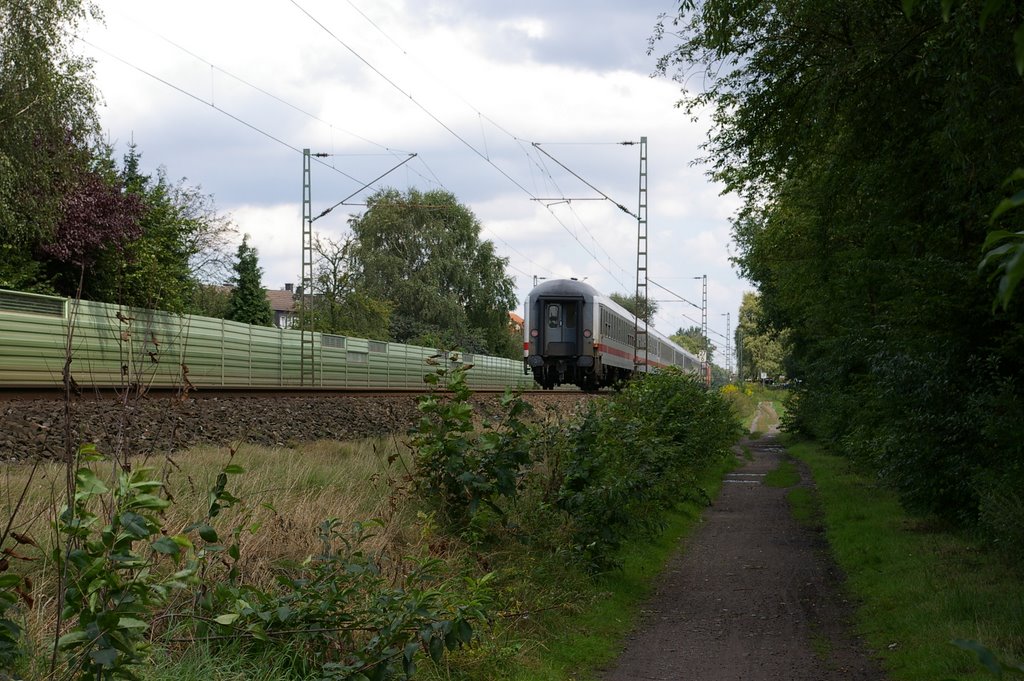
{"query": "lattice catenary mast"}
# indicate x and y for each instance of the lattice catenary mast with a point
(306, 297)
(640, 323)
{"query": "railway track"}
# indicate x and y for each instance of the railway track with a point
(32, 422)
(35, 393)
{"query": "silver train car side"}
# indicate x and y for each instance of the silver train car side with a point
(573, 334)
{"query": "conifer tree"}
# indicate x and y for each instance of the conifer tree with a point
(248, 302)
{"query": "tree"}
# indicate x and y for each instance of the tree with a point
(763, 347)
(644, 309)
(47, 118)
(248, 302)
(694, 340)
(422, 252)
(210, 300)
(59, 209)
(181, 243)
(336, 307)
(868, 150)
(96, 217)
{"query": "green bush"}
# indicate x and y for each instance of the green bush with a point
(635, 456)
(460, 467)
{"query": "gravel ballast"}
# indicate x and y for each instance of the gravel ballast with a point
(33, 428)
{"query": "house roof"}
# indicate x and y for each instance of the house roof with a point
(516, 319)
(281, 301)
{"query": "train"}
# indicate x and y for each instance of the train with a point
(50, 341)
(572, 334)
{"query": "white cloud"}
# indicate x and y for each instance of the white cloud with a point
(498, 76)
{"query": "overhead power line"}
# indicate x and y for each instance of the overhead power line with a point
(675, 294)
(625, 210)
(451, 131)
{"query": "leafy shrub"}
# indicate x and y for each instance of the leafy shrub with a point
(111, 586)
(637, 455)
(338, 616)
(458, 466)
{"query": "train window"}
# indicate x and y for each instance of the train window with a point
(554, 316)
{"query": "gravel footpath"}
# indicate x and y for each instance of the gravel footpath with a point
(752, 597)
(32, 428)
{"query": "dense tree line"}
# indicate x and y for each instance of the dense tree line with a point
(761, 349)
(869, 142)
(71, 221)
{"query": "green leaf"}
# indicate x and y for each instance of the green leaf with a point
(1012, 275)
(947, 8)
(182, 540)
(134, 524)
(87, 484)
(227, 619)
(104, 657)
(436, 648)
(208, 533)
(233, 469)
(131, 623)
(997, 235)
(71, 639)
(88, 452)
(463, 631)
(1018, 41)
(166, 545)
(139, 481)
(8, 580)
(1010, 203)
(987, 9)
(149, 502)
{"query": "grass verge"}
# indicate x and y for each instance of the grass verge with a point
(784, 475)
(919, 587)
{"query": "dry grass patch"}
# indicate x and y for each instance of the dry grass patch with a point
(285, 494)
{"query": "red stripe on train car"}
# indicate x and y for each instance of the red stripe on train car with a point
(626, 355)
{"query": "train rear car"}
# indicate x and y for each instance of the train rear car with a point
(575, 335)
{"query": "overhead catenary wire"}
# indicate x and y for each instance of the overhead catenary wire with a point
(482, 154)
(685, 300)
(572, 172)
(219, 106)
(214, 106)
(312, 116)
(392, 151)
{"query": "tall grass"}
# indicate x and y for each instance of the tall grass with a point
(285, 494)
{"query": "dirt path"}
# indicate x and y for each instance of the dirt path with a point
(765, 420)
(753, 597)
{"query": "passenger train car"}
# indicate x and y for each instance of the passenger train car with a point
(573, 334)
(113, 346)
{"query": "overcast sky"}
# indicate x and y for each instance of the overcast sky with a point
(227, 93)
